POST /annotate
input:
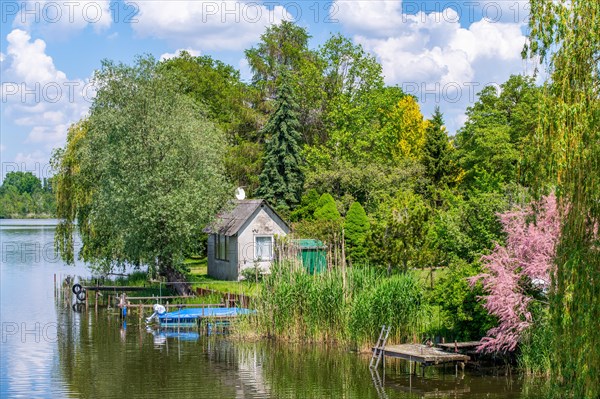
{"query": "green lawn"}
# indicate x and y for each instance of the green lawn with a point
(199, 274)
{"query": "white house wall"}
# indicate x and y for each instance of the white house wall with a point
(261, 225)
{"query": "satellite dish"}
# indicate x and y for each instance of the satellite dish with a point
(240, 194)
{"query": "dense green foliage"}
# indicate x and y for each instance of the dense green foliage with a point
(496, 136)
(22, 195)
(142, 175)
(462, 316)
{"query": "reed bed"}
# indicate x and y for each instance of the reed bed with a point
(346, 306)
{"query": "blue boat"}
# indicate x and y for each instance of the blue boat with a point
(190, 317)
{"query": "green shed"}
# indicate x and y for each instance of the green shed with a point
(313, 254)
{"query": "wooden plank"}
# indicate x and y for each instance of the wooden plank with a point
(114, 288)
(423, 354)
(145, 298)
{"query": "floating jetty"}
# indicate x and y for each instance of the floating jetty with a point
(192, 317)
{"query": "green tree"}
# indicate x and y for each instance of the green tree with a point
(467, 226)
(348, 69)
(282, 180)
(142, 176)
(398, 239)
(327, 210)
(282, 47)
(566, 34)
(22, 195)
(463, 316)
(356, 230)
(495, 137)
(307, 207)
(218, 88)
(23, 182)
(437, 156)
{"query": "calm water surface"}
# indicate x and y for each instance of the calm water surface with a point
(50, 351)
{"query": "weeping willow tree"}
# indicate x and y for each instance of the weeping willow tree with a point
(141, 176)
(566, 35)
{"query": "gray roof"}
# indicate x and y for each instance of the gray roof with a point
(230, 222)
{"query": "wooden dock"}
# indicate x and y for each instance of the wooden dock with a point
(423, 354)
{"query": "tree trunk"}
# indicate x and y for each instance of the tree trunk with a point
(176, 280)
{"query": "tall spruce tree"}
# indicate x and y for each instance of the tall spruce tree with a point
(436, 149)
(281, 180)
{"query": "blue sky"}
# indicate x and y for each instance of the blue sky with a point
(444, 52)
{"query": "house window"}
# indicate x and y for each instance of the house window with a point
(263, 247)
(221, 247)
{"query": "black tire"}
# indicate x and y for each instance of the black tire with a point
(81, 296)
(76, 289)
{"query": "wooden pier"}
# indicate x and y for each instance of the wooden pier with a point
(423, 354)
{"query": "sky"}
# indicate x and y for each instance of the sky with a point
(443, 52)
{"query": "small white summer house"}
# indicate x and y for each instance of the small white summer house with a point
(242, 237)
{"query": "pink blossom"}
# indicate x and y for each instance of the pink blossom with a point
(525, 260)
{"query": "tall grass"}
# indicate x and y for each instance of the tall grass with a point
(535, 349)
(397, 301)
(338, 306)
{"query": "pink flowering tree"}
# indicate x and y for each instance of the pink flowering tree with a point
(512, 273)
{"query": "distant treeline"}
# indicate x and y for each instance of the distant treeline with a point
(24, 195)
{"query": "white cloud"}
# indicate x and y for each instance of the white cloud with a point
(37, 96)
(2, 57)
(432, 56)
(29, 59)
(58, 18)
(207, 25)
(245, 71)
(35, 157)
(166, 56)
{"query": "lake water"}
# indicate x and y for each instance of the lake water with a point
(49, 351)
